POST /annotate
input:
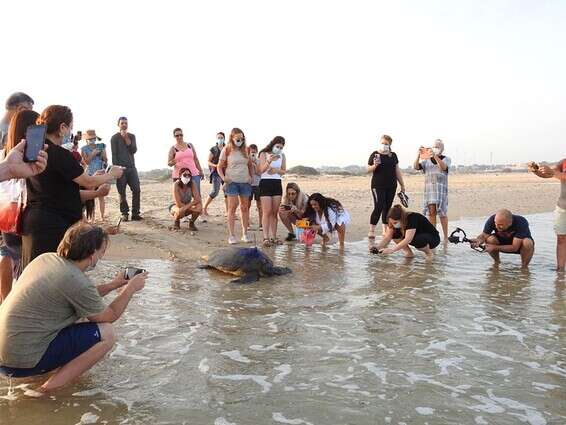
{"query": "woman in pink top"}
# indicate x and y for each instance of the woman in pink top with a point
(183, 155)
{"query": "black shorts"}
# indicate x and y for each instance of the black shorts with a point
(421, 240)
(270, 187)
(255, 193)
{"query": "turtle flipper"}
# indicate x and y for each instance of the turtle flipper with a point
(203, 266)
(278, 271)
(247, 278)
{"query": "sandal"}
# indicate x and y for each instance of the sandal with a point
(266, 242)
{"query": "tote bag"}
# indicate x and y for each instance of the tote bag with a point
(12, 203)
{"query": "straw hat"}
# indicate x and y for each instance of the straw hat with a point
(90, 134)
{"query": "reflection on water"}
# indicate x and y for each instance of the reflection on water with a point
(345, 339)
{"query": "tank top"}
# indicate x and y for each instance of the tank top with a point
(185, 159)
(186, 194)
(237, 170)
(275, 164)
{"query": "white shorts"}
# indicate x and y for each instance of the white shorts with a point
(560, 221)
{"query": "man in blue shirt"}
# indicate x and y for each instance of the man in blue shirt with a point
(507, 233)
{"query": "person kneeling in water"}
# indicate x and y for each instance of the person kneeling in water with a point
(408, 229)
(39, 332)
(507, 233)
(328, 215)
(185, 204)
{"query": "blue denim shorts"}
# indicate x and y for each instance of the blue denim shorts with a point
(69, 343)
(238, 189)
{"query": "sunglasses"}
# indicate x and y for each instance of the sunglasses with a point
(179, 135)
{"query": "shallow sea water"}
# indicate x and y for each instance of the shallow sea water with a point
(345, 339)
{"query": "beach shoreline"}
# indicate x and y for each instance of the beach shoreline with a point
(470, 195)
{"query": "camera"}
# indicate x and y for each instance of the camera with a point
(130, 272)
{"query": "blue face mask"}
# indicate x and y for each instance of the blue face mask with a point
(397, 225)
(276, 150)
(66, 138)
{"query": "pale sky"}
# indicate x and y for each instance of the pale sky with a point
(329, 76)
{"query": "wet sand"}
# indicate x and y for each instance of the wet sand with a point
(470, 195)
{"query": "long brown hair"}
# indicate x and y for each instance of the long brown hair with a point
(18, 126)
(398, 213)
(230, 145)
(298, 199)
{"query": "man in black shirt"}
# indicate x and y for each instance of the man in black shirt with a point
(123, 150)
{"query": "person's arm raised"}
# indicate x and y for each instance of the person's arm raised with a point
(87, 181)
(117, 307)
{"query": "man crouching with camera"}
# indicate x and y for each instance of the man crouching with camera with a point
(39, 332)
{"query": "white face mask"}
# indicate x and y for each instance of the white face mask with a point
(220, 142)
(185, 180)
(397, 225)
(238, 143)
(436, 150)
(276, 150)
(385, 148)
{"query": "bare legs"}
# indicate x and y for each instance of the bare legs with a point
(432, 212)
(232, 206)
(270, 208)
(244, 214)
(526, 250)
(102, 206)
(84, 362)
(5, 277)
(560, 252)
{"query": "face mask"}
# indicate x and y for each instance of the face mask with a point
(253, 155)
(276, 150)
(219, 142)
(91, 141)
(185, 180)
(67, 138)
(238, 143)
(436, 151)
(385, 148)
(397, 225)
(92, 265)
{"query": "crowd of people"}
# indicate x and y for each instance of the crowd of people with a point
(54, 318)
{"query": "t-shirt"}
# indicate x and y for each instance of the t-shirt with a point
(385, 174)
(51, 294)
(54, 189)
(519, 229)
(256, 178)
(420, 223)
(237, 170)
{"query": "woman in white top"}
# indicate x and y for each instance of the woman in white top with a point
(328, 215)
(272, 165)
(235, 169)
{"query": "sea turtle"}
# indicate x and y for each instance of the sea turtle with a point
(247, 263)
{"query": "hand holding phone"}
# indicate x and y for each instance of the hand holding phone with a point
(130, 272)
(35, 141)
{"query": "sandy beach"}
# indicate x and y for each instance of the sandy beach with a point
(471, 195)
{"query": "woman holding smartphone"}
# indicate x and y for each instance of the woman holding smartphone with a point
(383, 165)
(272, 165)
(94, 155)
(53, 197)
(293, 208)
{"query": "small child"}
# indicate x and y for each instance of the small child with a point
(252, 152)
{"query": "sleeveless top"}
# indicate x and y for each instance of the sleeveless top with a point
(275, 164)
(237, 170)
(186, 193)
(185, 159)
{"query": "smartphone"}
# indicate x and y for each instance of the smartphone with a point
(130, 272)
(286, 207)
(35, 139)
